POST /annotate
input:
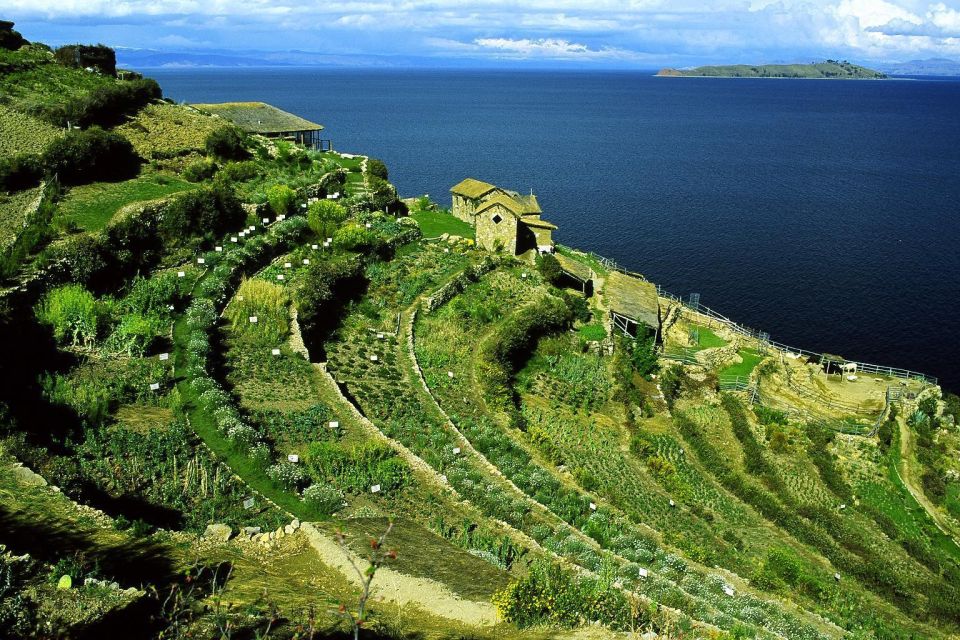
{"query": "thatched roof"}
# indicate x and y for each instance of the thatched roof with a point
(472, 189)
(633, 298)
(503, 200)
(259, 117)
(574, 268)
(538, 223)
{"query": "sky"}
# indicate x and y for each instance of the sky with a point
(631, 33)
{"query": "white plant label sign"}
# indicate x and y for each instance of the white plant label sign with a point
(164, 356)
(253, 319)
(375, 489)
(275, 352)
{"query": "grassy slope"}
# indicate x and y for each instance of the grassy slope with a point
(92, 206)
(13, 209)
(436, 223)
(21, 133)
(165, 130)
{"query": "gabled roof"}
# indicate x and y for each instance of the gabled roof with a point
(503, 200)
(471, 188)
(259, 117)
(528, 203)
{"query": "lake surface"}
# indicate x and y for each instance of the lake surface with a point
(824, 212)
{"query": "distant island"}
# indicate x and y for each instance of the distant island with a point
(827, 69)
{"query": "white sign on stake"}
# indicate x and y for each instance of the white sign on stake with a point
(375, 489)
(523, 275)
(279, 276)
(672, 503)
(329, 239)
(642, 572)
(728, 591)
(281, 218)
(369, 225)
(218, 249)
(170, 307)
(379, 336)
(181, 274)
(275, 352)
(253, 319)
(287, 265)
(294, 458)
(234, 239)
(200, 261)
(306, 261)
(249, 503)
(456, 451)
(334, 424)
(593, 506)
(154, 386)
(374, 358)
(446, 250)
(265, 220)
(252, 227)
(450, 374)
(164, 356)
(314, 246)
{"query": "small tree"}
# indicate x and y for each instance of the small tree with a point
(80, 157)
(281, 198)
(376, 558)
(325, 217)
(549, 268)
(377, 168)
(72, 312)
(227, 143)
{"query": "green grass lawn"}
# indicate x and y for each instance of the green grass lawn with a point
(92, 206)
(708, 339)
(750, 360)
(436, 223)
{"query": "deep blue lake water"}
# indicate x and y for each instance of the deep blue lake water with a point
(824, 212)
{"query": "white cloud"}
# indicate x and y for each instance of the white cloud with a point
(722, 30)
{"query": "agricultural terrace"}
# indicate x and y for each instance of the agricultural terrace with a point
(240, 332)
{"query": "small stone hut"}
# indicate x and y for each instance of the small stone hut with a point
(505, 220)
(633, 304)
(267, 120)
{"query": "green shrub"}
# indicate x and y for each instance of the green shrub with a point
(200, 170)
(21, 171)
(325, 217)
(210, 211)
(281, 199)
(376, 167)
(551, 595)
(240, 171)
(323, 497)
(72, 312)
(93, 155)
(643, 355)
(354, 237)
(549, 268)
(104, 106)
(593, 332)
(227, 143)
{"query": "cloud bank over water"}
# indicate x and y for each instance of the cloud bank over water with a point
(603, 33)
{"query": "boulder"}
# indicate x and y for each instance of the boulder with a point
(289, 529)
(295, 523)
(27, 476)
(251, 531)
(218, 532)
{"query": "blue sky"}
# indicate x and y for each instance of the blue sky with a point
(636, 33)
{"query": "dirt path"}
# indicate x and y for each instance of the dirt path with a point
(393, 586)
(909, 475)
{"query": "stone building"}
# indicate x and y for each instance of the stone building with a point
(505, 220)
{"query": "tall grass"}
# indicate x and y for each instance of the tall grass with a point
(265, 301)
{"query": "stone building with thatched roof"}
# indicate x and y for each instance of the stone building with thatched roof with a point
(505, 220)
(266, 120)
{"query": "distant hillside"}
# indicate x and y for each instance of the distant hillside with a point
(929, 67)
(828, 69)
